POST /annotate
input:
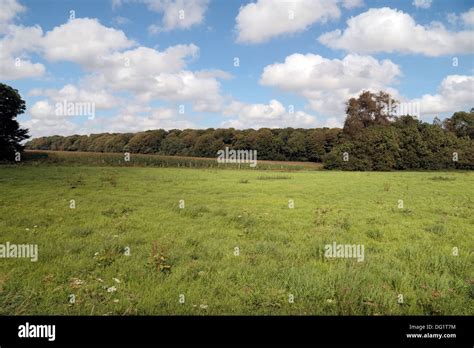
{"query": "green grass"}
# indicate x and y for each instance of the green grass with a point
(190, 251)
(72, 158)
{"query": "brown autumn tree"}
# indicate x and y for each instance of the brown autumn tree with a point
(368, 109)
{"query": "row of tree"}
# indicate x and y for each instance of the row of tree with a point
(271, 144)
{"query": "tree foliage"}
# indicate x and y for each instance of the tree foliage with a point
(271, 144)
(11, 135)
(374, 139)
(369, 109)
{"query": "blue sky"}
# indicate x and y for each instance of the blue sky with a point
(147, 64)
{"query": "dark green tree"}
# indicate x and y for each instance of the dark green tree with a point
(11, 135)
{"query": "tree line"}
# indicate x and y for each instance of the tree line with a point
(374, 137)
(286, 144)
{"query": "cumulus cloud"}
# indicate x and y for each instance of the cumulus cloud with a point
(114, 68)
(42, 109)
(44, 120)
(186, 86)
(217, 73)
(145, 72)
(350, 4)
(84, 41)
(151, 74)
(454, 93)
(119, 20)
(16, 44)
(50, 126)
(19, 68)
(10, 10)
(389, 30)
(271, 115)
(177, 14)
(422, 3)
(101, 98)
(468, 17)
(328, 83)
(265, 19)
(128, 120)
(154, 29)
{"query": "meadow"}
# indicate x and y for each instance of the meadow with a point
(235, 246)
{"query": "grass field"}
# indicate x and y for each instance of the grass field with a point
(75, 158)
(185, 261)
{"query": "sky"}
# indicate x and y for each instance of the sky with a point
(97, 66)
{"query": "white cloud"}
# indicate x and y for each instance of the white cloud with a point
(146, 62)
(130, 118)
(150, 74)
(116, 72)
(19, 39)
(11, 69)
(272, 115)
(220, 74)
(15, 45)
(42, 110)
(129, 121)
(389, 30)
(154, 29)
(187, 87)
(101, 98)
(265, 19)
(84, 41)
(329, 83)
(50, 126)
(145, 72)
(350, 4)
(454, 94)
(468, 17)
(44, 121)
(119, 20)
(10, 10)
(177, 14)
(422, 3)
